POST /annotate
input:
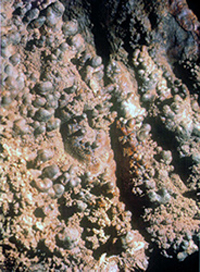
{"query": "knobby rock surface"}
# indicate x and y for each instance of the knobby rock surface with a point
(99, 135)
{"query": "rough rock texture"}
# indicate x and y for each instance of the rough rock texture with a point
(100, 135)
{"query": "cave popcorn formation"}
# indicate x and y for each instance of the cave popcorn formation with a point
(99, 150)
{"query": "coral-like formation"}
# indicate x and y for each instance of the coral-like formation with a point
(100, 134)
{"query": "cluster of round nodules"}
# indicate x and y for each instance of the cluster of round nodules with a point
(54, 13)
(178, 113)
(20, 127)
(156, 190)
(93, 73)
(150, 178)
(13, 78)
(143, 132)
(44, 104)
(188, 247)
(178, 238)
(51, 179)
(69, 237)
(133, 129)
(152, 83)
(50, 20)
(38, 95)
(34, 17)
(134, 245)
(166, 156)
(37, 110)
(125, 92)
(149, 167)
(70, 31)
(159, 196)
(180, 118)
(133, 138)
(192, 70)
(46, 182)
(88, 63)
(132, 241)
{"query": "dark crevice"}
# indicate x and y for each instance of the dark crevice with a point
(39, 213)
(194, 6)
(181, 71)
(127, 35)
(167, 141)
(66, 212)
(43, 250)
(109, 248)
(100, 34)
(191, 194)
(191, 263)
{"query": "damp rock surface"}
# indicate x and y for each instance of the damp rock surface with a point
(99, 135)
